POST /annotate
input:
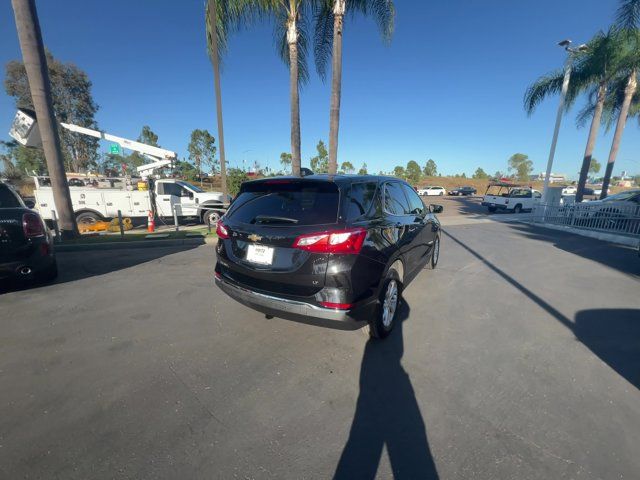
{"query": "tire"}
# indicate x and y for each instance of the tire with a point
(211, 216)
(441, 193)
(517, 209)
(88, 218)
(435, 254)
(387, 308)
(492, 209)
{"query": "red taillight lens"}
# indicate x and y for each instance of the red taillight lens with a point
(340, 241)
(222, 231)
(32, 225)
(337, 306)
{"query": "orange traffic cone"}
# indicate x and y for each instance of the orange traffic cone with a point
(151, 224)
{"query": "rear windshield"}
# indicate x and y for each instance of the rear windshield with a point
(286, 202)
(7, 198)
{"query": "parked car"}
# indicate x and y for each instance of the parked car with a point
(430, 191)
(510, 197)
(27, 251)
(569, 190)
(463, 191)
(336, 249)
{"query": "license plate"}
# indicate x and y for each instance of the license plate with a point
(260, 254)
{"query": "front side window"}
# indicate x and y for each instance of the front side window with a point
(395, 201)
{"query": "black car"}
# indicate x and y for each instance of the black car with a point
(26, 245)
(463, 191)
(326, 249)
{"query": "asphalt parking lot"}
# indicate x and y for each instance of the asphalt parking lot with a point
(519, 357)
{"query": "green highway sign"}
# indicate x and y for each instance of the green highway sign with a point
(114, 149)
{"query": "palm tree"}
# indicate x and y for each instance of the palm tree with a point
(328, 32)
(628, 20)
(592, 70)
(291, 43)
(35, 63)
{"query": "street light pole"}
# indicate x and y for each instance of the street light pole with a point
(563, 94)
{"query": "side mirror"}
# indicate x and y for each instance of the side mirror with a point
(436, 208)
(190, 195)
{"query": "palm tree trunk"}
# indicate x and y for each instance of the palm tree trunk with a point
(216, 77)
(35, 63)
(629, 91)
(591, 142)
(336, 83)
(292, 40)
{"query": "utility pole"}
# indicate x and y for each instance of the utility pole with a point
(565, 87)
(30, 38)
(213, 20)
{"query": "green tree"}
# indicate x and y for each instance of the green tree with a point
(480, 174)
(592, 71)
(594, 167)
(399, 171)
(347, 167)
(498, 175)
(363, 169)
(185, 170)
(521, 165)
(628, 22)
(72, 103)
(285, 160)
(202, 150)
(430, 169)
(413, 172)
(328, 44)
(320, 163)
(236, 177)
(20, 161)
(136, 159)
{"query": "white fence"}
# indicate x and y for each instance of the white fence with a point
(622, 218)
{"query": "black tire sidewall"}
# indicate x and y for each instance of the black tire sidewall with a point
(88, 215)
(376, 326)
(208, 213)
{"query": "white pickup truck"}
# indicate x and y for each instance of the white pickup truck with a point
(510, 197)
(100, 199)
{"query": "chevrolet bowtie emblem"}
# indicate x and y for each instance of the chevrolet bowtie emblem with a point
(254, 238)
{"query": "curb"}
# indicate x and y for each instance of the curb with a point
(80, 247)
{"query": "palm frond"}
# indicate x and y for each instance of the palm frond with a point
(323, 37)
(382, 11)
(628, 14)
(545, 86)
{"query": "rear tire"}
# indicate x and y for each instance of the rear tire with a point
(435, 254)
(387, 308)
(211, 217)
(88, 218)
(517, 209)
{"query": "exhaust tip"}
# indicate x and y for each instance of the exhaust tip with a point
(25, 270)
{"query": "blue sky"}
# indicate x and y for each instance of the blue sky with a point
(448, 87)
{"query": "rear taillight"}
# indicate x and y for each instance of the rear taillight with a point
(222, 231)
(337, 306)
(341, 241)
(32, 225)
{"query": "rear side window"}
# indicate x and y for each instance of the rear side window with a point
(360, 198)
(415, 203)
(395, 201)
(8, 198)
(286, 202)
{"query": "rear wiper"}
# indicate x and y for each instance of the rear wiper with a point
(273, 219)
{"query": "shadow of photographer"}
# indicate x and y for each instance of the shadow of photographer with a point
(387, 413)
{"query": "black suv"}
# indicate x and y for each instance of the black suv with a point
(326, 249)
